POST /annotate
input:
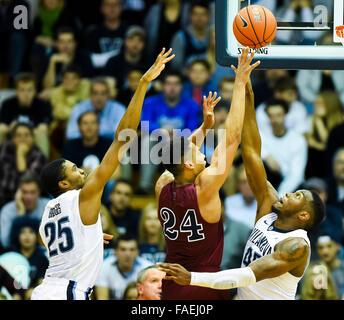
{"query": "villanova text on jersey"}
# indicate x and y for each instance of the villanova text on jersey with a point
(258, 238)
(55, 211)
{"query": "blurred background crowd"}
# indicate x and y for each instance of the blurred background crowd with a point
(65, 83)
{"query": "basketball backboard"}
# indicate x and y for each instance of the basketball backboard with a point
(308, 37)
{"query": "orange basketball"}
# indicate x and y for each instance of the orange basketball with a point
(255, 26)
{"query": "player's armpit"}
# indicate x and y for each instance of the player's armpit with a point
(290, 255)
(166, 178)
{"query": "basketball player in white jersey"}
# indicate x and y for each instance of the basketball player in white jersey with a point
(71, 226)
(278, 249)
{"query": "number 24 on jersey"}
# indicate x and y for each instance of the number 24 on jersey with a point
(189, 224)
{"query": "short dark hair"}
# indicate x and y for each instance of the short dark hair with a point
(224, 80)
(222, 105)
(199, 3)
(29, 177)
(25, 77)
(121, 180)
(71, 68)
(318, 208)
(276, 102)
(125, 237)
(51, 174)
(27, 125)
(203, 62)
(172, 73)
(177, 148)
(285, 83)
(99, 80)
(84, 114)
(65, 29)
(136, 69)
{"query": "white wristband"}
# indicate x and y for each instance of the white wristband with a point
(228, 279)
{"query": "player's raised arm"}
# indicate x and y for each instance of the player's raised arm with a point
(213, 177)
(290, 256)
(90, 195)
(209, 104)
(263, 191)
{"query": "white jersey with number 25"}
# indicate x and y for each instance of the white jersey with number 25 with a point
(75, 250)
(261, 242)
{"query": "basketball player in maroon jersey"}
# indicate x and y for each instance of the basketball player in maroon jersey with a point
(188, 193)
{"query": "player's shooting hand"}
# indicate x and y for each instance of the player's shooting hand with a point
(107, 237)
(175, 272)
(209, 104)
(244, 66)
(159, 65)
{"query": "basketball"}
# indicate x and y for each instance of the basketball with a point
(255, 26)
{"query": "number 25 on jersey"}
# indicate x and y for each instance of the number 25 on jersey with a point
(64, 234)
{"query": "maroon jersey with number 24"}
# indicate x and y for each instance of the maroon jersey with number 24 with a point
(191, 241)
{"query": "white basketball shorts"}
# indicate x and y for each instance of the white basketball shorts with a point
(60, 289)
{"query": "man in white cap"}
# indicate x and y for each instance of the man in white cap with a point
(324, 280)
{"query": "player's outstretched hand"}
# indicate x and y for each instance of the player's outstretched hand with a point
(209, 104)
(244, 66)
(107, 237)
(159, 65)
(175, 272)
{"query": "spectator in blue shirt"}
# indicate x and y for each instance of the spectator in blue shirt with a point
(109, 112)
(27, 203)
(199, 84)
(169, 110)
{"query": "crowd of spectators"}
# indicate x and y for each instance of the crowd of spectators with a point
(65, 83)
